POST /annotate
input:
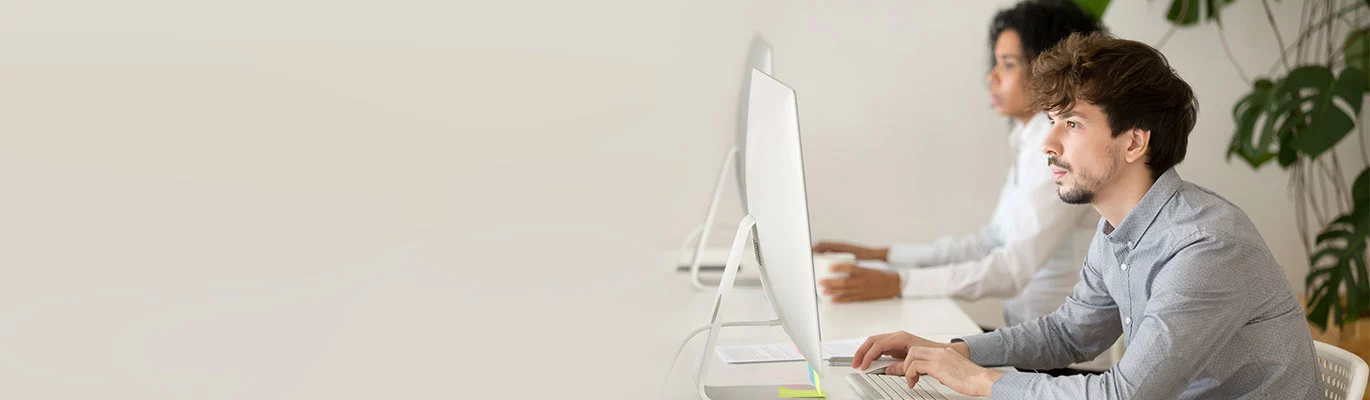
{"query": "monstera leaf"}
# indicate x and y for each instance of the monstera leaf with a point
(1281, 119)
(1190, 8)
(1327, 123)
(1247, 112)
(1191, 11)
(1340, 262)
(1299, 113)
(1358, 52)
(1095, 7)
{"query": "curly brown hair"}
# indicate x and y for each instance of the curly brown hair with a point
(1131, 81)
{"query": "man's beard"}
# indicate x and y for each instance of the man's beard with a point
(1083, 191)
(1077, 195)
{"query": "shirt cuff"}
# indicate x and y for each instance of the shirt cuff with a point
(909, 254)
(1013, 385)
(987, 349)
(926, 282)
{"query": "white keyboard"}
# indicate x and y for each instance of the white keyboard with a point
(891, 387)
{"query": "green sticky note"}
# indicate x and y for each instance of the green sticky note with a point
(788, 393)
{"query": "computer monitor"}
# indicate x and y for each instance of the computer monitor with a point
(777, 222)
(777, 200)
(758, 58)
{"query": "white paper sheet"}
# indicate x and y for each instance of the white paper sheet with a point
(842, 350)
(756, 353)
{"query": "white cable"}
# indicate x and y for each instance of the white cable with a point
(692, 335)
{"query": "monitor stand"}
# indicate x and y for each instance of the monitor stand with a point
(702, 231)
(744, 231)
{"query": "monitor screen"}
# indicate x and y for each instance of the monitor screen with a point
(758, 58)
(776, 199)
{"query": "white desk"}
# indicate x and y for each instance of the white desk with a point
(936, 319)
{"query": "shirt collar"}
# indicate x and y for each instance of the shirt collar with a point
(1144, 213)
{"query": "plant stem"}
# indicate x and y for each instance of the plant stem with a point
(1341, 181)
(1305, 33)
(1363, 158)
(1184, 8)
(1316, 34)
(1271, 17)
(1328, 37)
(1337, 182)
(1222, 37)
(1321, 184)
(1305, 20)
(1311, 180)
(1300, 208)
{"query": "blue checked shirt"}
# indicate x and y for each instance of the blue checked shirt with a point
(1204, 310)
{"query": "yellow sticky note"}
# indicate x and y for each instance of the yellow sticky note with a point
(788, 393)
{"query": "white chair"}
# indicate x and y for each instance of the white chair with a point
(1343, 373)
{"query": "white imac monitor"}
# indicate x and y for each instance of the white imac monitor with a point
(758, 58)
(777, 200)
(777, 225)
(777, 222)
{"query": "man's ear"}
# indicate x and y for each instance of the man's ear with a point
(1138, 141)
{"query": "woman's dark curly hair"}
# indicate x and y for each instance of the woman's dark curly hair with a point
(1041, 24)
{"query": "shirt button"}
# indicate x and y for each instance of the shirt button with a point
(1124, 267)
(1127, 320)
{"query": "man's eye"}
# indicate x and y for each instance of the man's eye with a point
(1072, 124)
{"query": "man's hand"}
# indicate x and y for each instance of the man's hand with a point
(861, 284)
(893, 344)
(950, 366)
(861, 253)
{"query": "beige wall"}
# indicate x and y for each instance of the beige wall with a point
(310, 199)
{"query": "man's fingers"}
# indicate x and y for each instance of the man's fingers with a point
(848, 268)
(874, 352)
(895, 369)
(912, 369)
(922, 353)
(916, 362)
(921, 360)
(870, 355)
(861, 351)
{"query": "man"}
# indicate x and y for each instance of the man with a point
(1031, 250)
(1179, 272)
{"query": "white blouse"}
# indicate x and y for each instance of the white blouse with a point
(1031, 251)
